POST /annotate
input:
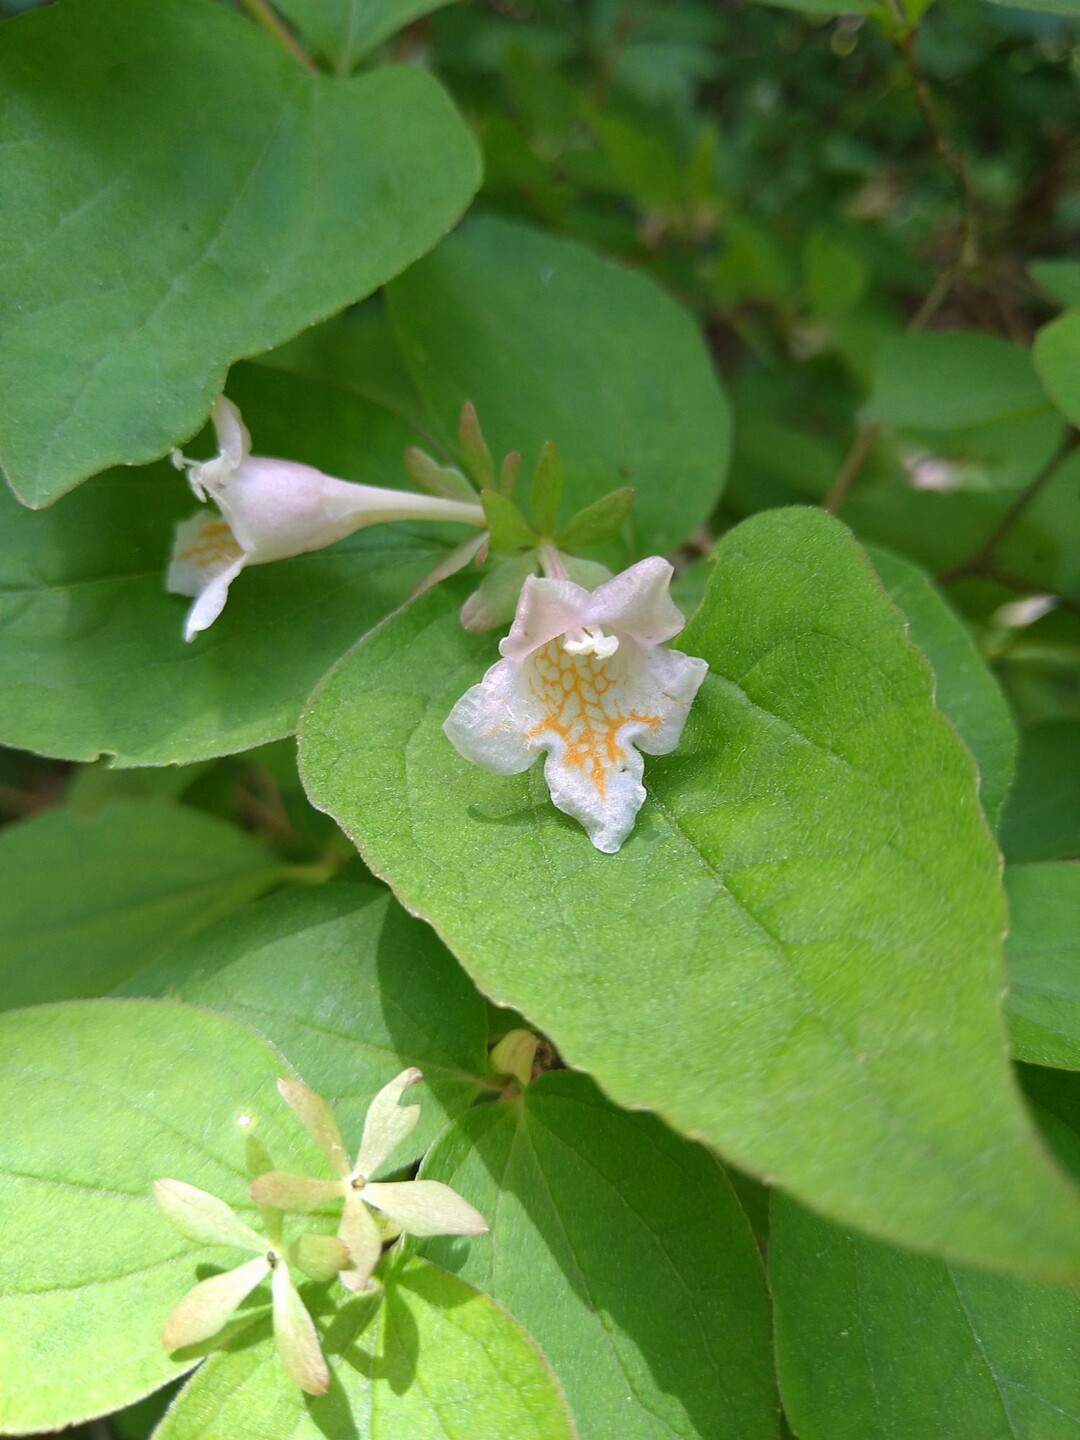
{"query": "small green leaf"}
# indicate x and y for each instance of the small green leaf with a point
(1041, 819)
(113, 351)
(1059, 278)
(875, 1343)
(525, 325)
(966, 690)
(346, 30)
(797, 955)
(547, 488)
(952, 379)
(429, 1359)
(101, 1098)
(1043, 949)
(622, 1249)
(599, 521)
(352, 989)
(88, 900)
(1057, 359)
(510, 531)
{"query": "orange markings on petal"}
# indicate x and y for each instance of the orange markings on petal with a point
(215, 546)
(578, 696)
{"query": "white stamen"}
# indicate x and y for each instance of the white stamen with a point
(592, 641)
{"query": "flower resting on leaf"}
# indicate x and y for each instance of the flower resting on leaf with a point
(270, 510)
(585, 678)
(203, 1311)
(412, 1207)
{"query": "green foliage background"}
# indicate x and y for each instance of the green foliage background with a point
(799, 1154)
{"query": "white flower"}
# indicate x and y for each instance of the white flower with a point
(415, 1207)
(204, 1310)
(584, 677)
(270, 510)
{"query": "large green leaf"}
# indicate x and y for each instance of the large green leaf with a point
(951, 379)
(1041, 820)
(623, 1250)
(965, 689)
(101, 1098)
(526, 325)
(796, 956)
(1057, 353)
(345, 30)
(93, 659)
(351, 988)
(262, 198)
(431, 1360)
(88, 899)
(875, 1343)
(1043, 950)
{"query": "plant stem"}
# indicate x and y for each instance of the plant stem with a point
(261, 12)
(978, 562)
(954, 162)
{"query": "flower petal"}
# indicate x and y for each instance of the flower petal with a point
(387, 1123)
(546, 609)
(319, 1120)
(204, 1218)
(295, 1336)
(205, 1309)
(233, 439)
(320, 1256)
(665, 682)
(211, 602)
(203, 547)
(295, 1193)
(636, 603)
(606, 805)
(595, 709)
(425, 1207)
(361, 1237)
(488, 724)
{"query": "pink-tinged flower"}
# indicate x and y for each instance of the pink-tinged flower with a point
(206, 1309)
(584, 676)
(375, 1210)
(271, 509)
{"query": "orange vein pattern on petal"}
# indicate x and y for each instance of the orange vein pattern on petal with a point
(580, 700)
(214, 545)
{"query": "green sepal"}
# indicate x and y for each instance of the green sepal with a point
(598, 521)
(510, 531)
(495, 599)
(509, 471)
(474, 448)
(434, 479)
(547, 488)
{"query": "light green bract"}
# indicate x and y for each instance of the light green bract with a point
(89, 1270)
(798, 953)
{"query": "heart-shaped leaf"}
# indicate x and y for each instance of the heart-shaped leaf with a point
(263, 198)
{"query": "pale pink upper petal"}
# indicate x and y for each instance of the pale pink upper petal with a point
(233, 439)
(636, 603)
(546, 609)
(425, 1207)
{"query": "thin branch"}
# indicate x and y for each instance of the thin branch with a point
(978, 562)
(261, 12)
(854, 461)
(949, 156)
(868, 432)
